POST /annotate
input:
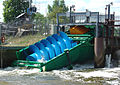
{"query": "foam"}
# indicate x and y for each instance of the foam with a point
(78, 73)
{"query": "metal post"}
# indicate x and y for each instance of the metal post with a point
(1, 58)
(30, 2)
(68, 58)
(70, 14)
(109, 33)
(109, 20)
(97, 26)
(45, 26)
(0, 33)
(57, 22)
(105, 13)
(113, 23)
(108, 12)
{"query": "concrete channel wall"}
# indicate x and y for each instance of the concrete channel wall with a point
(8, 55)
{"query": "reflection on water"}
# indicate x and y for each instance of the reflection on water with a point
(80, 74)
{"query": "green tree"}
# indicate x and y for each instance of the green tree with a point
(39, 18)
(39, 21)
(13, 8)
(57, 7)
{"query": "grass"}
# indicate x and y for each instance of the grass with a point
(24, 40)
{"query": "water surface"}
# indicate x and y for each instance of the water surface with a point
(80, 74)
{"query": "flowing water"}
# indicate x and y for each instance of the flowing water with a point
(79, 75)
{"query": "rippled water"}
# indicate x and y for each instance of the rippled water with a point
(80, 74)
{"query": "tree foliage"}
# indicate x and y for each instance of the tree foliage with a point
(13, 8)
(57, 7)
(39, 18)
(41, 23)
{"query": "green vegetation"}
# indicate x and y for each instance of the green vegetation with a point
(13, 8)
(39, 18)
(24, 40)
(57, 7)
(39, 21)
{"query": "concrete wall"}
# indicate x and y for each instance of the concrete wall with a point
(8, 55)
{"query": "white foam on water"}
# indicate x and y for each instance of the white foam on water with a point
(17, 71)
(78, 73)
(70, 74)
(63, 74)
(113, 82)
(96, 74)
(81, 72)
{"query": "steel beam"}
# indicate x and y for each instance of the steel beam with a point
(78, 14)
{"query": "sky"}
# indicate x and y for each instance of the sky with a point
(80, 5)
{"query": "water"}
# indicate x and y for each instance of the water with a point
(80, 74)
